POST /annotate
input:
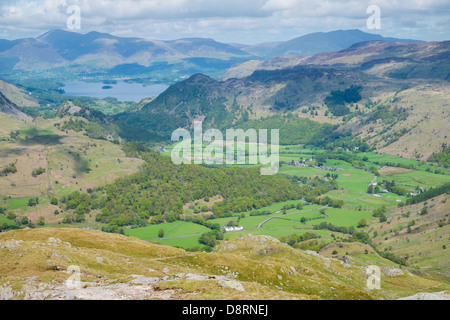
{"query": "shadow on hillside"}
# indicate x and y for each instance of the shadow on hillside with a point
(46, 140)
(12, 152)
(81, 164)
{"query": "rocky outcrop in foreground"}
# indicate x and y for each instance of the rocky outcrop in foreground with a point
(444, 295)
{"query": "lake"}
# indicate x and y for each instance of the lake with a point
(122, 91)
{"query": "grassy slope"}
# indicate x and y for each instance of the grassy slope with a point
(16, 95)
(427, 105)
(424, 244)
(62, 169)
(266, 268)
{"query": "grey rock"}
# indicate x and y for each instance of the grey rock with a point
(443, 295)
(232, 284)
(392, 272)
(53, 240)
(143, 280)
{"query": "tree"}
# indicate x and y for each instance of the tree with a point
(380, 213)
(231, 223)
(24, 220)
(362, 223)
(37, 172)
(33, 202)
(10, 216)
(161, 233)
(40, 221)
(424, 211)
(54, 201)
(303, 220)
(361, 236)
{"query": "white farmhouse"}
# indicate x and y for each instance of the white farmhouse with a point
(231, 229)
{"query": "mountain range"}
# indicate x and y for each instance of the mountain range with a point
(255, 89)
(363, 177)
(59, 53)
(248, 92)
(97, 53)
(402, 59)
(314, 43)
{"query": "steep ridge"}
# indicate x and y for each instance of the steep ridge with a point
(10, 108)
(222, 103)
(400, 60)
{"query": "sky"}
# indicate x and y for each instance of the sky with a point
(231, 21)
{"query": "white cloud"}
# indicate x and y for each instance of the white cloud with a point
(225, 20)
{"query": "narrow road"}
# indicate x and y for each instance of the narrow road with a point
(270, 218)
(255, 228)
(280, 216)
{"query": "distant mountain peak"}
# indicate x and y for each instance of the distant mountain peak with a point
(319, 42)
(54, 32)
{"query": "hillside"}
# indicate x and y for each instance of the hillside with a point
(422, 238)
(54, 157)
(382, 58)
(397, 123)
(319, 42)
(36, 264)
(17, 95)
(222, 103)
(362, 173)
(392, 77)
(57, 53)
(9, 108)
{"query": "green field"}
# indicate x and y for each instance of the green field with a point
(418, 178)
(383, 158)
(19, 203)
(278, 226)
(6, 221)
(172, 229)
(342, 217)
(32, 131)
(252, 221)
(301, 171)
(352, 189)
(185, 243)
(353, 184)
